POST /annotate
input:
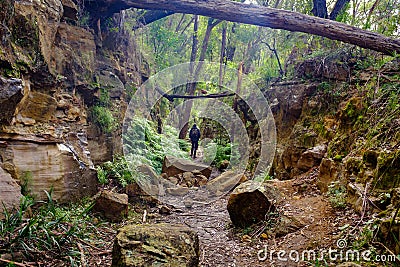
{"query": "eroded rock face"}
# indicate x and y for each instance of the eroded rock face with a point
(10, 192)
(11, 93)
(43, 113)
(44, 164)
(156, 245)
(73, 44)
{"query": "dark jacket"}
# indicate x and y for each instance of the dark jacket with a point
(194, 134)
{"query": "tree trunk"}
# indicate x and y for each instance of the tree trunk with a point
(319, 9)
(274, 18)
(148, 17)
(339, 5)
(190, 87)
(222, 60)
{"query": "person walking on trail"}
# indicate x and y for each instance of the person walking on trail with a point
(194, 136)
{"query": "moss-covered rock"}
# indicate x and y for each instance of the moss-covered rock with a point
(388, 170)
(156, 245)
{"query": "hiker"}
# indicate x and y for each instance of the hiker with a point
(194, 136)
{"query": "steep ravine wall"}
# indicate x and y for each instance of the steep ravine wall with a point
(51, 74)
(344, 123)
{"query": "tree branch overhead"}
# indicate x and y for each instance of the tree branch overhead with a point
(274, 18)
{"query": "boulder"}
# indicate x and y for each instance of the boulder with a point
(38, 106)
(111, 205)
(250, 202)
(10, 192)
(328, 172)
(225, 182)
(11, 93)
(177, 191)
(173, 166)
(42, 164)
(137, 194)
(155, 245)
(311, 157)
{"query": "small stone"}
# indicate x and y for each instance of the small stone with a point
(196, 172)
(173, 180)
(188, 203)
(264, 236)
(165, 210)
(177, 191)
(201, 180)
(246, 238)
(224, 164)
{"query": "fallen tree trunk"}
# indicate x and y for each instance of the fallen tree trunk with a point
(274, 18)
(172, 97)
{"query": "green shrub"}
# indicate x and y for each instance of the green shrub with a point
(104, 118)
(118, 170)
(144, 145)
(49, 231)
(221, 152)
(337, 194)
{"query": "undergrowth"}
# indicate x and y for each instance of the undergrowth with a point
(217, 153)
(142, 146)
(46, 230)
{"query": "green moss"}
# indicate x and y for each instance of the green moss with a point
(388, 170)
(338, 158)
(104, 118)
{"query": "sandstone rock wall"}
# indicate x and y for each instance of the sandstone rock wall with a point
(53, 67)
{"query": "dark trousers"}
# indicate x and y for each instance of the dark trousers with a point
(195, 145)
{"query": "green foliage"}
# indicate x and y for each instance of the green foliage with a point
(50, 230)
(367, 235)
(217, 153)
(145, 146)
(102, 175)
(26, 181)
(337, 194)
(104, 118)
(117, 170)
(83, 19)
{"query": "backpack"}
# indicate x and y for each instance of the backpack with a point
(194, 134)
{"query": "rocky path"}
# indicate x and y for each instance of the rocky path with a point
(223, 245)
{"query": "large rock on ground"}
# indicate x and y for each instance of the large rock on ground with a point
(173, 166)
(225, 182)
(43, 164)
(10, 192)
(250, 202)
(311, 157)
(156, 245)
(112, 205)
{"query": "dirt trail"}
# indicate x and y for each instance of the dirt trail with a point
(223, 245)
